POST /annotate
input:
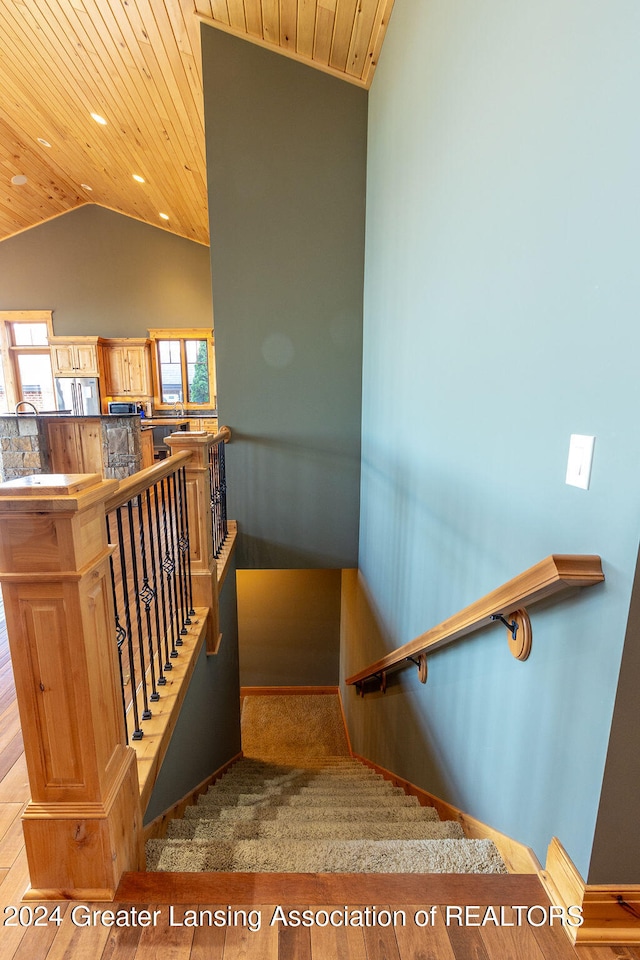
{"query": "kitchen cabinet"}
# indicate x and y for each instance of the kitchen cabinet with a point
(75, 356)
(128, 368)
(75, 446)
(210, 424)
(146, 448)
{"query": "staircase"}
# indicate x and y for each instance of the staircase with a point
(324, 815)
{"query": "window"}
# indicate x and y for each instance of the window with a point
(26, 361)
(184, 368)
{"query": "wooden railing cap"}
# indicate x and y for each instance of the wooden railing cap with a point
(54, 492)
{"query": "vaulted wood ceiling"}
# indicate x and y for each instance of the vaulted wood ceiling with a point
(136, 64)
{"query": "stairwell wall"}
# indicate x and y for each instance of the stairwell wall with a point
(501, 304)
(286, 164)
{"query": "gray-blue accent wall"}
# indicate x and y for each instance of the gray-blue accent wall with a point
(502, 296)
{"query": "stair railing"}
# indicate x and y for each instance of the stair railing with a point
(151, 582)
(506, 604)
(80, 558)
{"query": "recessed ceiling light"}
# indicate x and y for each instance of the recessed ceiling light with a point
(99, 119)
(45, 143)
(137, 177)
(19, 180)
(165, 216)
(85, 186)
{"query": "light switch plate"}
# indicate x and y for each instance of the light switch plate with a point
(580, 459)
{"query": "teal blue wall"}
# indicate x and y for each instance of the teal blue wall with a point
(502, 296)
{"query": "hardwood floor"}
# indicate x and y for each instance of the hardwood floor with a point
(60, 931)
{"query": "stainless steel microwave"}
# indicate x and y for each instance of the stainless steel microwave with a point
(119, 408)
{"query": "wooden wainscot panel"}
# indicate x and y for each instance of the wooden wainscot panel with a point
(56, 715)
(103, 674)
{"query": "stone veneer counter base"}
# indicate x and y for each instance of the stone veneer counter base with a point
(24, 445)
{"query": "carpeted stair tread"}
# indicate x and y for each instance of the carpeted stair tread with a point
(330, 856)
(316, 829)
(325, 815)
(337, 813)
(299, 800)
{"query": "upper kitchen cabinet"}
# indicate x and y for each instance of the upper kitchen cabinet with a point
(76, 356)
(128, 368)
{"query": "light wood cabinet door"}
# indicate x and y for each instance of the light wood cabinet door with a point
(75, 356)
(117, 377)
(128, 370)
(138, 366)
(146, 445)
(63, 447)
(62, 360)
(90, 446)
(86, 359)
(75, 447)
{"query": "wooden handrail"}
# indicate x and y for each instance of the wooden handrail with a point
(143, 479)
(552, 575)
(138, 482)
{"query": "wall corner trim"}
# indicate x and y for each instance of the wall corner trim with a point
(610, 912)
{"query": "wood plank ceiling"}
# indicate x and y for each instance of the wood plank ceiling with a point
(136, 64)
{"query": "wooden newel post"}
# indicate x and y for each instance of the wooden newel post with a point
(204, 572)
(83, 825)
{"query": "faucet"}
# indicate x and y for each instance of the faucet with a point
(21, 403)
(178, 404)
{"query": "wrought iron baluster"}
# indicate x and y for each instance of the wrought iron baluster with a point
(161, 578)
(223, 491)
(169, 566)
(177, 553)
(121, 633)
(153, 532)
(183, 515)
(137, 731)
(147, 594)
(146, 712)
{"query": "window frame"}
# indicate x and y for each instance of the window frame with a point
(10, 351)
(182, 334)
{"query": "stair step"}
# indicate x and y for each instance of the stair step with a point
(319, 829)
(305, 789)
(384, 799)
(335, 856)
(306, 776)
(338, 814)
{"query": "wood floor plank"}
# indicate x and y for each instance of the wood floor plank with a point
(294, 943)
(241, 944)
(37, 940)
(554, 942)
(381, 941)
(163, 942)
(234, 888)
(467, 944)
(12, 888)
(14, 788)
(208, 942)
(8, 814)
(122, 942)
(504, 943)
(10, 754)
(429, 942)
(77, 942)
(347, 943)
(12, 842)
